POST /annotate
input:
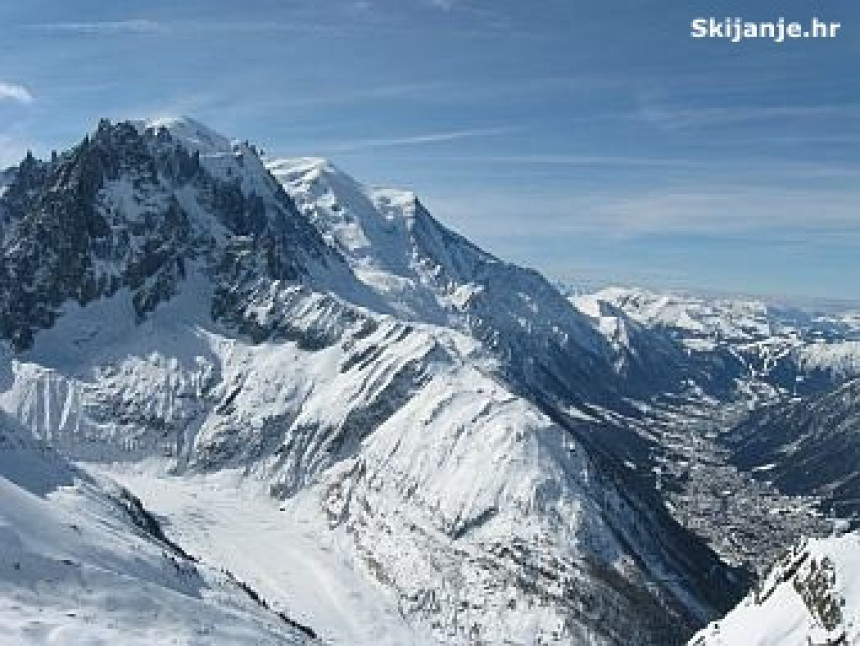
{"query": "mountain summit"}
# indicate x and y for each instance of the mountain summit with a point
(325, 392)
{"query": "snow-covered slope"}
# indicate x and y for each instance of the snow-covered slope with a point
(743, 342)
(432, 411)
(295, 563)
(136, 205)
(694, 316)
(396, 437)
(426, 272)
(839, 359)
(645, 352)
(83, 562)
(811, 596)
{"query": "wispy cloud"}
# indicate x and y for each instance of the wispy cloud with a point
(803, 217)
(754, 169)
(14, 92)
(346, 96)
(677, 118)
(301, 27)
(587, 160)
(108, 28)
(726, 210)
(416, 140)
(204, 27)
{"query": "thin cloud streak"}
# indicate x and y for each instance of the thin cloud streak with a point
(723, 211)
(586, 160)
(416, 140)
(110, 27)
(300, 27)
(706, 210)
(678, 118)
(330, 28)
(410, 91)
(15, 92)
(762, 167)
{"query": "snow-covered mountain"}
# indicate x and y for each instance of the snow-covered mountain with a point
(133, 207)
(82, 561)
(357, 420)
(425, 272)
(737, 342)
(810, 596)
(444, 431)
(784, 381)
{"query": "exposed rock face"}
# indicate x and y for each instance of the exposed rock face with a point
(129, 208)
(809, 596)
(452, 417)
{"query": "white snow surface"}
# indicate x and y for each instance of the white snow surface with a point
(396, 446)
(812, 596)
(297, 563)
(226, 159)
(728, 319)
(842, 359)
(419, 268)
(75, 570)
(750, 328)
(419, 497)
(376, 230)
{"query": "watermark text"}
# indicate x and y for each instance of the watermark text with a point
(781, 30)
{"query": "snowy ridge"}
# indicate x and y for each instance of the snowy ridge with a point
(639, 351)
(840, 359)
(225, 159)
(192, 134)
(466, 449)
(718, 319)
(418, 266)
(420, 270)
(782, 348)
(812, 595)
(392, 434)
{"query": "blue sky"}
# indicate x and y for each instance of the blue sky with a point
(593, 140)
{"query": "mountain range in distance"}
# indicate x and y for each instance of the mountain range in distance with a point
(246, 400)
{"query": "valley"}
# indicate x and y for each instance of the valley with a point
(359, 425)
(747, 521)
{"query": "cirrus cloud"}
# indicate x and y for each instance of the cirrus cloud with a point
(416, 140)
(101, 27)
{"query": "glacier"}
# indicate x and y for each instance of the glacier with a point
(333, 401)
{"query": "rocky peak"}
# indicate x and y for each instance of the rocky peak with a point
(130, 207)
